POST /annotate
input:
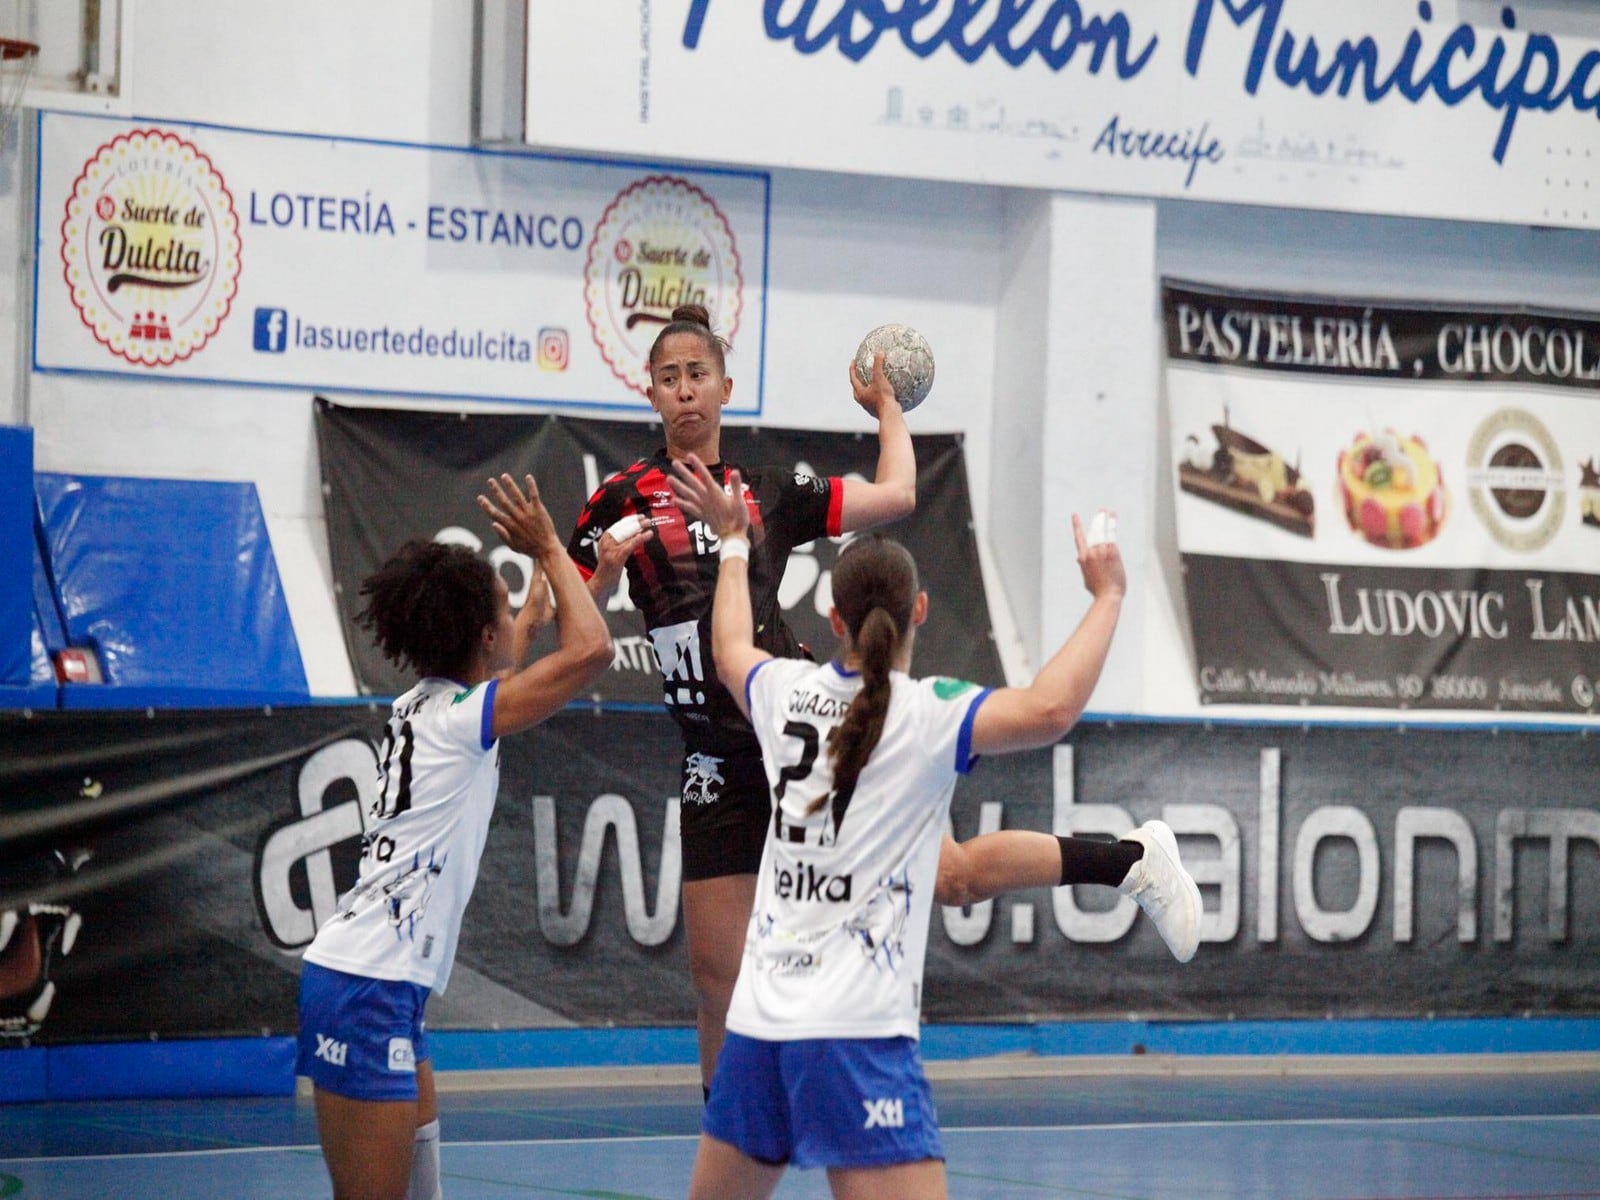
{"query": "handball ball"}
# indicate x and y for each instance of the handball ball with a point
(907, 361)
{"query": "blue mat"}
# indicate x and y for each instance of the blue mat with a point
(174, 583)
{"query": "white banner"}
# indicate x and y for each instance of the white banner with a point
(1387, 504)
(1439, 108)
(203, 253)
(1315, 430)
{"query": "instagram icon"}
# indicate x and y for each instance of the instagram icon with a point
(553, 349)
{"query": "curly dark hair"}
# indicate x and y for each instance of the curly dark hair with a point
(428, 606)
(695, 319)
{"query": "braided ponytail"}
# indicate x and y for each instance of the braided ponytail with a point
(874, 589)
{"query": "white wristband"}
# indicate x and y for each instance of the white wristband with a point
(735, 547)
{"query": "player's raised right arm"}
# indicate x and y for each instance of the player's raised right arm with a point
(1041, 713)
(733, 633)
(892, 494)
(583, 644)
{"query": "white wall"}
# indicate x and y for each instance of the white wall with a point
(1022, 340)
(1041, 310)
(1101, 418)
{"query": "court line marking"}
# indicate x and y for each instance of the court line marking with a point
(1275, 1122)
(1120, 1126)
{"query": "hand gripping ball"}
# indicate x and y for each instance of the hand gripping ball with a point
(907, 360)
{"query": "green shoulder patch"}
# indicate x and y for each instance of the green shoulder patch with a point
(949, 689)
(460, 696)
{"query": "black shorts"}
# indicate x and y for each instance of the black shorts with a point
(723, 818)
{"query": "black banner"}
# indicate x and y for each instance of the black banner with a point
(163, 873)
(1379, 340)
(390, 475)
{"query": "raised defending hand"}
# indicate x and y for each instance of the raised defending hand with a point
(540, 605)
(876, 392)
(1099, 559)
(521, 520)
(697, 492)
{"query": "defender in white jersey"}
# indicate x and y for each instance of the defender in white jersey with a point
(370, 968)
(845, 892)
(440, 772)
(820, 1066)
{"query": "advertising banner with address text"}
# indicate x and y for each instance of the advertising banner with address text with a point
(196, 252)
(1386, 504)
(161, 875)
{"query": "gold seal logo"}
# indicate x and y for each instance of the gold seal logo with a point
(661, 243)
(150, 247)
(1515, 479)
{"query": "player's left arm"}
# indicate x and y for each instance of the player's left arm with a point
(892, 494)
(733, 627)
(733, 632)
(583, 643)
(534, 615)
(1025, 718)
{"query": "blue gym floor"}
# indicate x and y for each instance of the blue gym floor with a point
(1522, 1127)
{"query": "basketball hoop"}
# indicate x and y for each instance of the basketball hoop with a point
(17, 60)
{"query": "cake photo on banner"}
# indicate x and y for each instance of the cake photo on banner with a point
(1393, 490)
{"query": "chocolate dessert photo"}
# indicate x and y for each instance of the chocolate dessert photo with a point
(1240, 473)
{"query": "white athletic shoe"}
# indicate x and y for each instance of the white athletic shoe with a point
(1168, 894)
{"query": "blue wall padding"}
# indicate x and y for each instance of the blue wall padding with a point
(174, 584)
(41, 690)
(265, 1066)
(203, 1067)
(460, 1050)
(24, 1075)
(1454, 1035)
(48, 619)
(16, 534)
(47, 631)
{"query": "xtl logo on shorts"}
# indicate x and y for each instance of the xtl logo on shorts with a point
(884, 1114)
(401, 1056)
(330, 1051)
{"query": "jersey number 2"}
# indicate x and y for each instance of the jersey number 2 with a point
(810, 739)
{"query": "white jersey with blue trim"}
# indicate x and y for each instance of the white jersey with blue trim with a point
(839, 929)
(438, 774)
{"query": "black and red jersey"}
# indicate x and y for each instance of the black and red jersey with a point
(672, 578)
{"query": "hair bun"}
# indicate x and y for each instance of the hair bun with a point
(694, 314)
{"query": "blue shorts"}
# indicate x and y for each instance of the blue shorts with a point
(824, 1102)
(360, 1037)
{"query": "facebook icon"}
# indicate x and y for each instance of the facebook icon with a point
(272, 328)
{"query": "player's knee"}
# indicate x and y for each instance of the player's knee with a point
(713, 977)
